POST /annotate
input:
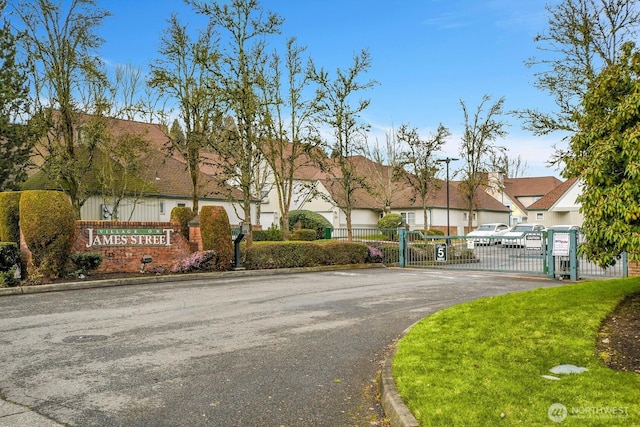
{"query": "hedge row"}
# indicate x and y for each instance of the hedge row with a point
(267, 255)
(10, 216)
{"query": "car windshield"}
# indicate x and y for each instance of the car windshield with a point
(522, 228)
(486, 227)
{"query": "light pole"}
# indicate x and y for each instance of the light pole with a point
(447, 161)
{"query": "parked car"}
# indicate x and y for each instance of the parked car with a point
(488, 234)
(516, 236)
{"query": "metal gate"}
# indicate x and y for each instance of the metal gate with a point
(538, 253)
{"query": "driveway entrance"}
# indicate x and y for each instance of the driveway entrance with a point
(554, 255)
(248, 349)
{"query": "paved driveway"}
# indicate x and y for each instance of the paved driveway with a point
(276, 350)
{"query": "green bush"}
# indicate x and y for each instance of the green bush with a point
(303, 234)
(272, 234)
(182, 215)
(309, 220)
(390, 221)
(10, 216)
(265, 255)
(343, 253)
(10, 270)
(216, 234)
(85, 262)
(47, 221)
(435, 232)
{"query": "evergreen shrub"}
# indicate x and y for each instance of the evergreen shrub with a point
(390, 221)
(47, 221)
(9, 264)
(216, 234)
(10, 216)
(303, 234)
(85, 262)
(290, 254)
(272, 234)
(303, 219)
(182, 215)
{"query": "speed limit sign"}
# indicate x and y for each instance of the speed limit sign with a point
(441, 252)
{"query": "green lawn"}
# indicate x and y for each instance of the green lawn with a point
(482, 363)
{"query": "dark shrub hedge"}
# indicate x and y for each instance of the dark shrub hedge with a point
(303, 234)
(182, 215)
(9, 264)
(309, 220)
(10, 216)
(47, 221)
(216, 234)
(272, 234)
(265, 255)
(84, 262)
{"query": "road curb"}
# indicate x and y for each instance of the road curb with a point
(127, 281)
(392, 404)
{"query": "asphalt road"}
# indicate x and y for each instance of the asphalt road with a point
(277, 350)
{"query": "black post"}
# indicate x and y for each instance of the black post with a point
(447, 161)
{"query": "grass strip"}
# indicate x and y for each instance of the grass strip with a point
(482, 363)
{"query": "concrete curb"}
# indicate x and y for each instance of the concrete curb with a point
(90, 284)
(392, 404)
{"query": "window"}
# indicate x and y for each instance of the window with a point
(539, 216)
(409, 217)
(161, 208)
(465, 216)
(181, 205)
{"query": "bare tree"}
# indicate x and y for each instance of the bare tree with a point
(292, 138)
(386, 168)
(349, 134)
(60, 48)
(582, 37)
(241, 66)
(512, 167)
(419, 166)
(187, 72)
(477, 147)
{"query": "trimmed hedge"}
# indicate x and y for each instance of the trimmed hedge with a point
(182, 215)
(10, 216)
(272, 234)
(309, 220)
(48, 220)
(216, 234)
(303, 234)
(266, 255)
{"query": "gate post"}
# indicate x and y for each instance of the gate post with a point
(402, 246)
(551, 262)
(573, 254)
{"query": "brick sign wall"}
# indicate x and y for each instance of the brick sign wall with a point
(123, 244)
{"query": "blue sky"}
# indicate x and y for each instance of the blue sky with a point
(427, 55)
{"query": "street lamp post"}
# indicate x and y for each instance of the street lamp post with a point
(447, 161)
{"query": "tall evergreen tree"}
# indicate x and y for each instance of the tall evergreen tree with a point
(15, 140)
